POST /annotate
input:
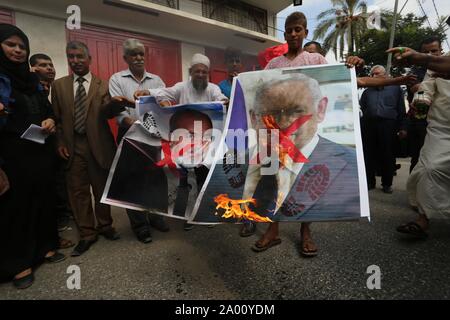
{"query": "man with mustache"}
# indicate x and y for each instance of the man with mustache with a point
(82, 107)
(125, 83)
(197, 89)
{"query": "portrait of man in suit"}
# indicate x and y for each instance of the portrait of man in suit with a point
(316, 179)
(147, 177)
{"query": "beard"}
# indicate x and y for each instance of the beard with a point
(199, 84)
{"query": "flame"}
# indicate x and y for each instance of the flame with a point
(238, 208)
(282, 151)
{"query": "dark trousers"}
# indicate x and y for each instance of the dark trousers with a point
(64, 213)
(84, 173)
(378, 136)
(139, 220)
(417, 130)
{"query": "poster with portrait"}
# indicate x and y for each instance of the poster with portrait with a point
(161, 164)
(291, 150)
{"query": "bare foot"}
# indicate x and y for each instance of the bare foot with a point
(23, 274)
(308, 247)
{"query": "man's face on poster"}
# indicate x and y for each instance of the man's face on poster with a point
(288, 101)
(192, 134)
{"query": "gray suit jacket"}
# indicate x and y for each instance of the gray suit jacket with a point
(326, 189)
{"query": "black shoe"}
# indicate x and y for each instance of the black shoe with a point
(144, 236)
(82, 247)
(24, 282)
(159, 223)
(57, 257)
(387, 189)
(188, 226)
(248, 229)
(110, 234)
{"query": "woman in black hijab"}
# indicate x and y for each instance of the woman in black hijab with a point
(28, 233)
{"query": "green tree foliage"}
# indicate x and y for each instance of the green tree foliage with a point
(411, 31)
(342, 26)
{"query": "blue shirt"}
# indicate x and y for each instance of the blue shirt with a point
(384, 102)
(225, 87)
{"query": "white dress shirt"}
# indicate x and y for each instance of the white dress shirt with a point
(286, 175)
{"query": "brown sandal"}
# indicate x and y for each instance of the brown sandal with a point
(304, 248)
(258, 247)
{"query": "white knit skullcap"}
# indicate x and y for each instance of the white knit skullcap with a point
(200, 58)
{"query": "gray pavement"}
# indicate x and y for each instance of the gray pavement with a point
(215, 263)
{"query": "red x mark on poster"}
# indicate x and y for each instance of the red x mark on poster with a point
(168, 160)
(286, 146)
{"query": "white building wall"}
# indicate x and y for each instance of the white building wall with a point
(46, 36)
(187, 51)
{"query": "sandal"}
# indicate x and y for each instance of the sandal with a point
(413, 229)
(304, 244)
(247, 229)
(259, 247)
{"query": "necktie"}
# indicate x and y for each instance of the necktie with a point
(182, 196)
(80, 107)
(266, 195)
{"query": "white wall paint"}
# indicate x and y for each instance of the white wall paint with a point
(187, 51)
(46, 36)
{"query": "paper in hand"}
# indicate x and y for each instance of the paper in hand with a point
(35, 133)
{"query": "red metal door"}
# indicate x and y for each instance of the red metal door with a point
(163, 56)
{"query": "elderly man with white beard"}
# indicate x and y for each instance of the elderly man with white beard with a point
(196, 89)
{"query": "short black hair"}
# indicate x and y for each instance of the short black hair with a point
(35, 57)
(178, 115)
(313, 42)
(232, 53)
(296, 17)
(430, 40)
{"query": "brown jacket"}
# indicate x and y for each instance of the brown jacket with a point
(100, 138)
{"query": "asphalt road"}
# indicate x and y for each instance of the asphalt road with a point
(215, 263)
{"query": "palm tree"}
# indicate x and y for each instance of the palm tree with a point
(347, 19)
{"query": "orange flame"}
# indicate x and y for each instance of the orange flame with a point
(283, 152)
(238, 209)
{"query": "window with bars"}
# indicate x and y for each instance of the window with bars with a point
(168, 3)
(237, 13)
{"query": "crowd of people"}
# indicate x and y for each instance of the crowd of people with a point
(42, 185)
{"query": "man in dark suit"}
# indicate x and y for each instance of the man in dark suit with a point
(324, 187)
(82, 107)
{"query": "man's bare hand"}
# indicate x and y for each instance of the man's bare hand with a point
(127, 122)
(123, 101)
(402, 55)
(4, 182)
(63, 152)
(2, 110)
(402, 134)
(48, 125)
(165, 103)
(141, 93)
(354, 61)
(409, 80)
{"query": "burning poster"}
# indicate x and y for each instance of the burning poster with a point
(291, 150)
(164, 159)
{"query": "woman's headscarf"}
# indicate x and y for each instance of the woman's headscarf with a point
(18, 73)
